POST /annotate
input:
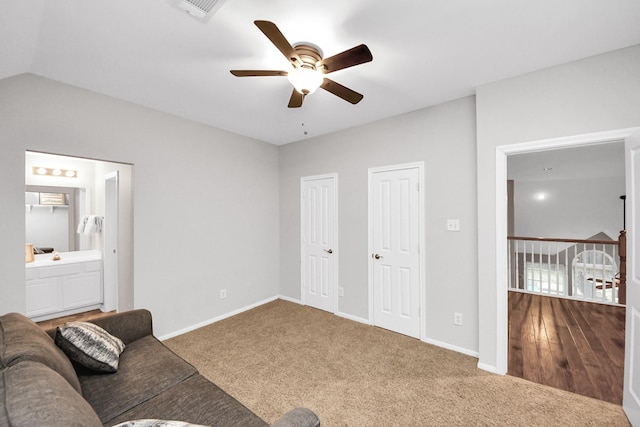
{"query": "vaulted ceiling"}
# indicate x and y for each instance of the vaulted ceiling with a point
(151, 53)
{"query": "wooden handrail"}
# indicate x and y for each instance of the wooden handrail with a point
(554, 239)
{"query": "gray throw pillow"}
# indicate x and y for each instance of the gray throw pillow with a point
(90, 346)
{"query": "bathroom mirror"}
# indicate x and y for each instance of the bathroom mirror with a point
(51, 217)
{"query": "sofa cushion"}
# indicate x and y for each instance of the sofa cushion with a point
(36, 395)
(147, 368)
(90, 345)
(21, 339)
(195, 400)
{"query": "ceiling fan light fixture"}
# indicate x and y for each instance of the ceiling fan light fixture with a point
(305, 79)
(308, 66)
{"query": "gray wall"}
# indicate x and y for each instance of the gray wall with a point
(444, 138)
(592, 95)
(205, 200)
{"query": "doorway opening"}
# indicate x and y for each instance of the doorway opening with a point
(77, 201)
(562, 331)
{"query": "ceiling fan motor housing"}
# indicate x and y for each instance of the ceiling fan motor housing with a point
(309, 55)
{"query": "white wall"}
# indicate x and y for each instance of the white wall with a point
(205, 200)
(592, 95)
(572, 208)
(444, 138)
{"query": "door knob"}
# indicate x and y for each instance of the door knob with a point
(330, 251)
(377, 256)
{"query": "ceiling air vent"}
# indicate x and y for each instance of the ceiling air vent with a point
(201, 9)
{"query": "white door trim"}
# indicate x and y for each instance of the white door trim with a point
(501, 281)
(336, 241)
(631, 394)
(421, 279)
(111, 235)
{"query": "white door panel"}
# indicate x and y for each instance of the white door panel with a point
(395, 244)
(319, 242)
(631, 398)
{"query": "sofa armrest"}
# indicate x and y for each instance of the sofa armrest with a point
(129, 326)
(298, 417)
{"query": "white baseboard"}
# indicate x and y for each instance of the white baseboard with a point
(451, 347)
(354, 318)
(489, 368)
(215, 319)
(285, 298)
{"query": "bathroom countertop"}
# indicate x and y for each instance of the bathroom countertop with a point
(43, 260)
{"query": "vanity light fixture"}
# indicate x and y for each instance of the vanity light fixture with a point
(42, 171)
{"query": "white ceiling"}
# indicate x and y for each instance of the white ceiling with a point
(425, 53)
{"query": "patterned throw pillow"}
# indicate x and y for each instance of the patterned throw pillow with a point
(90, 346)
(156, 423)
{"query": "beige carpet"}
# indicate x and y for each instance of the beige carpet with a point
(282, 355)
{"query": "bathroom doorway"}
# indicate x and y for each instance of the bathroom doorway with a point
(87, 196)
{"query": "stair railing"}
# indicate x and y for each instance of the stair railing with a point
(592, 270)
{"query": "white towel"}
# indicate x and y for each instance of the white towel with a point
(82, 224)
(94, 225)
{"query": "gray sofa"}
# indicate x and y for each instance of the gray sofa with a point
(40, 386)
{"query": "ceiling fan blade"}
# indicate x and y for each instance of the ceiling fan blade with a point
(279, 40)
(296, 99)
(257, 73)
(354, 56)
(342, 91)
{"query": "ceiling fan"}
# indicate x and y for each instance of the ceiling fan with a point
(309, 67)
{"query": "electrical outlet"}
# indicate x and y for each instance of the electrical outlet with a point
(453, 225)
(457, 319)
(340, 291)
(223, 294)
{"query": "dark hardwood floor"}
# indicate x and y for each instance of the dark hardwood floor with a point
(571, 345)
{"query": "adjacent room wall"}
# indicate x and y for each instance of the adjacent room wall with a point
(205, 200)
(573, 208)
(592, 95)
(444, 138)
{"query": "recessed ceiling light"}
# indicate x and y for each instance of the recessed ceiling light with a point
(541, 196)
